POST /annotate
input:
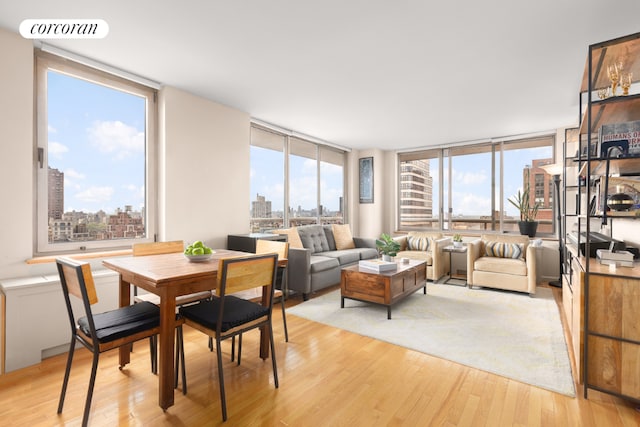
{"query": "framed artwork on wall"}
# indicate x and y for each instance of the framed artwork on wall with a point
(366, 179)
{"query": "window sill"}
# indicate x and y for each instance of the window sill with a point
(82, 255)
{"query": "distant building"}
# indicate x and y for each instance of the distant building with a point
(56, 193)
(416, 193)
(261, 208)
(123, 226)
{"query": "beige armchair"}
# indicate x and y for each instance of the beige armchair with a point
(503, 262)
(437, 262)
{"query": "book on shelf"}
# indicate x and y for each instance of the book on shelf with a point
(608, 255)
(378, 265)
(619, 140)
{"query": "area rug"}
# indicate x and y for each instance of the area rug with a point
(505, 333)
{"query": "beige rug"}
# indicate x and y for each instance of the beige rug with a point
(505, 333)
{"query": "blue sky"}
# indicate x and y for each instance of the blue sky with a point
(97, 138)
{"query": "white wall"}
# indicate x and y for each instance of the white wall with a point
(205, 169)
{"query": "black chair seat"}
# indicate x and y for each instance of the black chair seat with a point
(237, 312)
(123, 322)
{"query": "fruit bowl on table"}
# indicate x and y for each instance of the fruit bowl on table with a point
(198, 258)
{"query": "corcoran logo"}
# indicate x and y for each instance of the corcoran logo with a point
(64, 29)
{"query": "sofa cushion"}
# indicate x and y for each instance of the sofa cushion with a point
(366, 253)
(328, 233)
(501, 265)
(342, 236)
(344, 257)
(320, 263)
(418, 243)
(292, 237)
(503, 250)
(313, 238)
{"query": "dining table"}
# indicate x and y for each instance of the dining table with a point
(169, 276)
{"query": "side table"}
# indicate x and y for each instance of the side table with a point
(453, 249)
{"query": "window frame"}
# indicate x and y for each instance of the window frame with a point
(498, 148)
(44, 62)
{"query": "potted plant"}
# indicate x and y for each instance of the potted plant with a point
(387, 246)
(457, 240)
(528, 212)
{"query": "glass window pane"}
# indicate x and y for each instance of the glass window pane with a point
(94, 133)
(331, 186)
(419, 191)
(523, 159)
(303, 182)
(470, 202)
(267, 180)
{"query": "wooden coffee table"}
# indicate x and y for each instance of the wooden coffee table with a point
(387, 287)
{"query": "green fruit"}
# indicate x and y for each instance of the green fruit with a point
(188, 250)
(197, 244)
(207, 250)
(197, 251)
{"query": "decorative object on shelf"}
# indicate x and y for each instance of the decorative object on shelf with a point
(621, 131)
(528, 212)
(620, 202)
(625, 82)
(457, 240)
(613, 72)
(555, 169)
(387, 246)
(603, 93)
(366, 179)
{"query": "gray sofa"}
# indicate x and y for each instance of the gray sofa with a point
(318, 265)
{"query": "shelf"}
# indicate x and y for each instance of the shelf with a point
(621, 166)
(625, 48)
(617, 109)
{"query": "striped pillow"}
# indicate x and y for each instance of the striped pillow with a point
(415, 243)
(504, 250)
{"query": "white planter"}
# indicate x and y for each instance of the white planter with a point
(457, 244)
(387, 258)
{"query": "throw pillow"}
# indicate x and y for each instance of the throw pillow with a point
(292, 237)
(342, 235)
(504, 250)
(417, 243)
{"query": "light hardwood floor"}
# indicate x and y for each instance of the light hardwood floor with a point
(328, 377)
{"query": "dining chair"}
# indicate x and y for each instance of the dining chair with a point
(158, 248)
(103, 331)
(255, 295)
(226, 315)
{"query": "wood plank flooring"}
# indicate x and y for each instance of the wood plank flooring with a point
(328, 377)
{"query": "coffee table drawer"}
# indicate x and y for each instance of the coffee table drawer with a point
(363, 286)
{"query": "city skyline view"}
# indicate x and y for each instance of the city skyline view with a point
(99, 146)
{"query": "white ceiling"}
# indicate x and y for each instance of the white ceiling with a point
(360, 73)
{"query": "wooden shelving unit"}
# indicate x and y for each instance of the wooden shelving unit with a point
(605, 300)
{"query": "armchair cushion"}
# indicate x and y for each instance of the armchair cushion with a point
(501, 265)
(342, 236)
(504, 250)
(418, 243)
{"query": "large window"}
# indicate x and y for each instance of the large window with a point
(95, 165)
(294, 181)
(473, 183)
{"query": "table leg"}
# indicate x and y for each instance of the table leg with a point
(125, 300)
(166, 349)
(264, 332)
(389, 312)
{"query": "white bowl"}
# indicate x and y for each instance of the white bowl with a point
(198, 258)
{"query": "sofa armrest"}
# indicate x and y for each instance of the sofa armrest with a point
(441, 265)
(299, 270)
(364, 242)
(473, 253)
(531, 269)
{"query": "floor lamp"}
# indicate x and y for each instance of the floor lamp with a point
(555, 170)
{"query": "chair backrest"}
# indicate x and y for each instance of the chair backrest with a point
(157, 248)
(273, 246)
(76, 279)
(240, 273)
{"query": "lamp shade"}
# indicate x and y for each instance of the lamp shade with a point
(553, 168)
